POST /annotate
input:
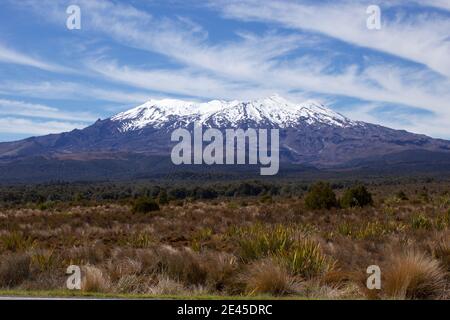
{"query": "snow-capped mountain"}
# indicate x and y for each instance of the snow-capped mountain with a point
(137, 142)
(273, 111)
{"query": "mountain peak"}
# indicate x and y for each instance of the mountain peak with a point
(272, 111)
(310, 133)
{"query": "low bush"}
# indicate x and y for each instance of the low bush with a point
(145, 205)
(163, 197)
(357, 196)
(402, 195)
(267, 198)
(320, 196)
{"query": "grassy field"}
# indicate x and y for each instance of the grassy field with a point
(235, 247)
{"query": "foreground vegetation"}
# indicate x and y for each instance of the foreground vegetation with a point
(283, 241)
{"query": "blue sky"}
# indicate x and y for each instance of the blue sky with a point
(53, 79)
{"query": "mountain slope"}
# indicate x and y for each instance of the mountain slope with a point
(310, 134)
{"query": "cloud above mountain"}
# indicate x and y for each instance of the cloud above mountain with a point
(237, 50)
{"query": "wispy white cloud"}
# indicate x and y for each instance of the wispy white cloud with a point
(185, 82)
(20, 117)
(251, 64)
(377, 83)
(14, 125)
(179, 39)
(441, 4)
(417, 122)
(22, 108)
(65, 90)
(10, 56)
(423, 38)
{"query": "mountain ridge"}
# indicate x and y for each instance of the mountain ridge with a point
(310, 134)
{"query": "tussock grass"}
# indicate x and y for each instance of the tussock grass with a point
(45, 260)
(181, 265)
(306, 259)
(236, 246)
(16, 242)
(420, 221)
(414, 276)
(442, 253)
(94, 280)
(167, 286)
(259, 241)
(268, 277)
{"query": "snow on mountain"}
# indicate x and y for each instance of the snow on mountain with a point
(274, 110)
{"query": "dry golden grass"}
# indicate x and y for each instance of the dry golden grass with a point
(268, 277)
(414, 275)
(167, 286)
(94, 280)
(441, 252)
(236, 246)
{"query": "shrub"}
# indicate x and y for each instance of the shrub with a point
(401, 195)
(46, 205)
(414, 276)
(14, 269)
(267, 198)
(163, 198)
(356, 197)
(320, 196)
(267, 277)
(145, 205)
